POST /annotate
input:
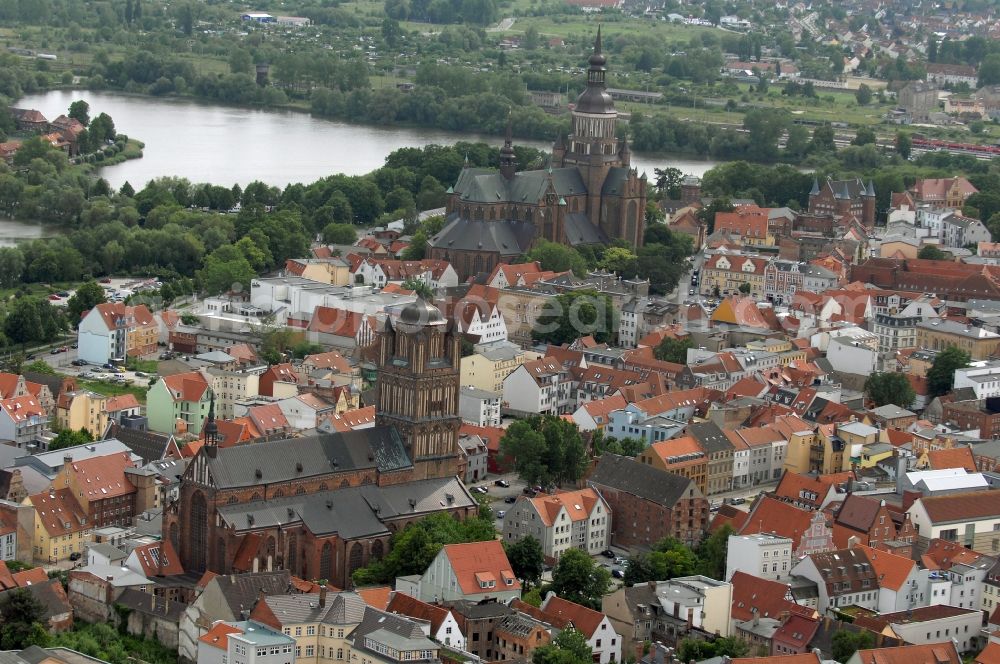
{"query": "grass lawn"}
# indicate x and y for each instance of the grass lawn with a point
(113, 390)
(146, 366)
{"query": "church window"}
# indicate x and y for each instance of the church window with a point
(199, 531)
(326, 561)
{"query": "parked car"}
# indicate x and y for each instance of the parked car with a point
(63, 293)
(501, 514)
(106, 280)
(86, 374)
(608, 553)
(78, 362)
(54, 351)
(54, 297)
(510, 500)
(618, 574)
(620, 560)
(503, 483)
(527, 491)
(74, 556)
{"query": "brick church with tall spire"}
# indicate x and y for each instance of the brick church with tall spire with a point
(588, 195)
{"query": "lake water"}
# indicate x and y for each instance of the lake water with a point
(13, 232)
(225, 145)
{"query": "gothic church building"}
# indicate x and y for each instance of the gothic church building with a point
(323, 505)
(589, 195)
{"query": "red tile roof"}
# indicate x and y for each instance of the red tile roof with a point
(22, 408)
(770, 515)
(218, 635)
(578, 505)
(329, 360)
(121, 402)
(100, 478)
(955, 507)
(799, 488)
(747, 221)
(352, 419)
(804, 658)
(764, 598)
(956, 457)
(59, 512)
(376, 597)
(891, 570)
(158, 559)
(584, 619)
(338, 322)
(412, 607)
(189, 386)
(599, 409)
(475, 562)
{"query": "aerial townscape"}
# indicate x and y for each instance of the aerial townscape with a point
(499, 331)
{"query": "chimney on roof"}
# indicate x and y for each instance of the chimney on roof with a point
(260, 595)
(322, 595)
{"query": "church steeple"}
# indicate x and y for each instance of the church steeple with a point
(508, 160)
(211, 428)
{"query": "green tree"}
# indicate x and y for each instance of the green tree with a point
(20, 616)
(863, 95)
(575, 314)
(619, 260)
(417, 249)
(845, 643)
(419, 287)
(669, 559)
(941, 375)
(80, 110)
(889, 388)
(240, 61)
(558, 258)
(904, 144)
(864, 136)
(70, 438)
(411, 550)
(531, 38)
(225, 269)
(932, 253)
(989, 70)
(544, 449)
(712, 553)
(569, 647)
(579, 579)
(823, 139)
(527, 559)
(696, 649)
(84, 299)
(673, 350)
(33, 320)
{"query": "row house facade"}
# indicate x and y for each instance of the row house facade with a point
(725, 274)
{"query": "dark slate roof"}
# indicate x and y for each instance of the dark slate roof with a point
(617, 177)
(579, 230)
(35, 654)
(710, 437)
(480, 185)
(479, 610)
(286, 460)
(340, 609)
(628, 475)
(49, 594)
(149, 445)
(847, 188)
(151, 604)
(53, 381)
(350, 512)
(506, 237)
(376, 620)
(241, 591)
